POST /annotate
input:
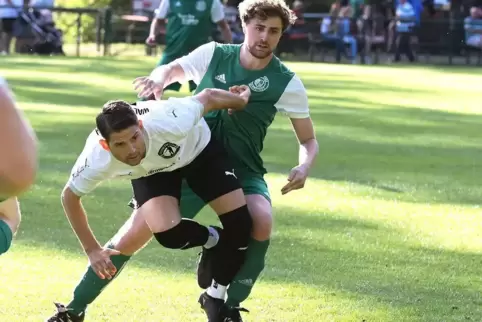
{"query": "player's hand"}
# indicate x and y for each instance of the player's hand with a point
(243, 91)
(296, 179)
(100, 262)
(146, 86)
(151, 40)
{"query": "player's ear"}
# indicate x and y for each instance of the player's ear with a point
(140, 124)
(104, 145)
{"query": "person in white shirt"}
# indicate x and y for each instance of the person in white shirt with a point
(157, 145)
(18, 163)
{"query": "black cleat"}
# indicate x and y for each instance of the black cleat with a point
(204, 265)
(232, 314)
(63, 315)
(212, 307)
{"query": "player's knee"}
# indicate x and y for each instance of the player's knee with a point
(237, 225)
(262, 224)
(185, 235)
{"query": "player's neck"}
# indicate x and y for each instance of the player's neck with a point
(250, 62)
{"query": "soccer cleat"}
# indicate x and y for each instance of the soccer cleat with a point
(204, 270)
(63, 315)
(212, 307)
(232, 314)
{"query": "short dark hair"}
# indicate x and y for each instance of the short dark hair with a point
(263, 9)
(115, 116)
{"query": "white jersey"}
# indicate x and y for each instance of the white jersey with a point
(175, 133)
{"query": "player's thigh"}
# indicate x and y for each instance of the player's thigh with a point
(157, 199)
(10, 213)
(259, 205)
(212, 178)
(132, 236)
(191, 203)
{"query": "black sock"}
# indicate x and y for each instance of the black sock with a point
(233, 243)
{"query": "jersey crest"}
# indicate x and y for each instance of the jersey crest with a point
(259, 85)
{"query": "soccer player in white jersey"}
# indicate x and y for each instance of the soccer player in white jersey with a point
(167, 143)
(18, 163)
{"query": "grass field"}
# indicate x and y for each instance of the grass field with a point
(388, 227)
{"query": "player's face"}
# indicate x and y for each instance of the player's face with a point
(128, 145)
(262, 36)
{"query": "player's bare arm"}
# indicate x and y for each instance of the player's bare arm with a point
(225, 31)
(218, 99)
(189, 67)
(308, 151)
(19, 168)
(99, 257)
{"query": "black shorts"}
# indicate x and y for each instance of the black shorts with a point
(210, 176)
(7, 25)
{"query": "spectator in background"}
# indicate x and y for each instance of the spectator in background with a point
(417, 6)
(405, 16)
(345, 17)
(473, 28)
(8, 16)
(337, 28)
(231, 14)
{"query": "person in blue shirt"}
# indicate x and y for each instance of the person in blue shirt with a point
(405, 16)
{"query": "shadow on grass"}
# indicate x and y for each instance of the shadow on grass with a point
(336, 255)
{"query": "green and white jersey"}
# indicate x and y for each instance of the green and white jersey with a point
(189, 23)
(274, 89)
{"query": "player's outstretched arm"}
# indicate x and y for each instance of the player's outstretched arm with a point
(190, 67)
(99, 257)
(18, 163)
(218, 99)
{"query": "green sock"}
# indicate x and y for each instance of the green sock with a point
(243, 282)
(6, 237)
(90, 286)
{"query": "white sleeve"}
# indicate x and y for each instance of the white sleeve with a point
(217, 11)
(163, 10)
(182, 115)
(197, 62)
(85, 175)
(294, 100)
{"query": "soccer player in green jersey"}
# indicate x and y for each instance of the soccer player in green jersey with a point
(189, 25)
(18, 164)
(274, 88)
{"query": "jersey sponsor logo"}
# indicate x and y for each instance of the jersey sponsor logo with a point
(201, 5)
(259, 85)
(221, 78)
(188, 20)
(169, 150)
(80, 170)
(141, 111)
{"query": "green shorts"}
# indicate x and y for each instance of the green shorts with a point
(252, 184)
(174, 86)
(6, 237)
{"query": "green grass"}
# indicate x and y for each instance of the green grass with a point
(388, 227)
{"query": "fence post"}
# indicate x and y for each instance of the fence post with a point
(79, 32)
(107, 30)
(98, 30)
